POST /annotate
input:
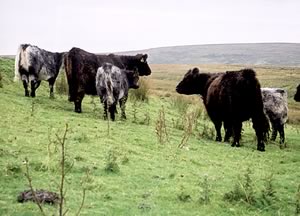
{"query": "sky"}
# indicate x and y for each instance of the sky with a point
(125, 25)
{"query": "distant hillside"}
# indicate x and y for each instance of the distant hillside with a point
(285, 54)
(278, 54)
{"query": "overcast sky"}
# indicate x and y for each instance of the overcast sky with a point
(123, 25)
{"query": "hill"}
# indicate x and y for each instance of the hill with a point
(126, 169)
(284, 54)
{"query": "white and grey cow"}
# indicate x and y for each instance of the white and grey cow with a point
(33, 64)
(276, 108)
(112, 84)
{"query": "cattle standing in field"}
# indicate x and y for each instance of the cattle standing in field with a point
(81, 68)
(112, 86)
(32, 65)
(297, 95)
(275, 106)
(229, 98)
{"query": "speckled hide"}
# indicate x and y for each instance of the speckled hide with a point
(276, 108)
(33, 64)
(112, 84)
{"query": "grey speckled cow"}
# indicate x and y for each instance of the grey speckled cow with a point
(112, 84)
(275, 106)
(32, 65)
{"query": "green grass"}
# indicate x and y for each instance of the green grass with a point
(153, 178)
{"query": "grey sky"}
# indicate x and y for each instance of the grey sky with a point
(123, 25)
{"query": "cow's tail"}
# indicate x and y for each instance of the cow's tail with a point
(69, 65)
(17, 63)
(110, 90)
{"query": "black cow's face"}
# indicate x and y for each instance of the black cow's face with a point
(297, 95)
(133, 78)
(189, 83)
(142, 65)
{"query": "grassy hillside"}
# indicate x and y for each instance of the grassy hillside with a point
(285, 54)
(129, 171)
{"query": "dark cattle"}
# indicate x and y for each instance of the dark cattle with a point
(297, 95)
(112, 86)
(229, 98)
(275, 106)
(32, 65)
(81, 68)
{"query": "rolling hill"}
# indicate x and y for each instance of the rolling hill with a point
(279, 54)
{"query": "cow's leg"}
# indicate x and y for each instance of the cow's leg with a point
(122, 103)
(237, 128)
(25, 84)
(34, 84)
(274, 131)
(261, 126)
(281, 133)
(218, 125)
(104, 110)
(228, 131)
(51, 84)
(78, 100)
(112, 110)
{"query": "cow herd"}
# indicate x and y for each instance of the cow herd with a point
(229, 97)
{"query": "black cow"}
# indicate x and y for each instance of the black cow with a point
(81, 68)
(229, 98)
(32, 65)
(297, 95)
(112, 86)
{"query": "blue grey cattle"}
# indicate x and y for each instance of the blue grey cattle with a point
(275, 106)
(32, 65)
(112, 85)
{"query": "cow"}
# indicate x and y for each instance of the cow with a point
(112, 84)
(276, 109)
(81, 68)
(297, 95)
(33, 64)
(230, 98)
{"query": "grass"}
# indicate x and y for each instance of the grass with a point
(150, 179)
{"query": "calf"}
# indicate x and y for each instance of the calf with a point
(297, 95)
(229, 98)
(81, 68)
(112, 86)
(32, 65)
(275, 106)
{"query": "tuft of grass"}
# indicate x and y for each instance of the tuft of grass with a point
(61, 85)
(142, 93)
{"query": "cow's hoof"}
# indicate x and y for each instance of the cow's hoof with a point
(26, 94)
(78, 110)
(32, 95)
(262, 149)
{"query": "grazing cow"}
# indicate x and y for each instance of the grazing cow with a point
(297, 95)
(275, 106)
(112, 84)
(32, 65)
(81, 68)
(229, 98)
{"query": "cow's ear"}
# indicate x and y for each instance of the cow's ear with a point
(142, 58)
(195, 70)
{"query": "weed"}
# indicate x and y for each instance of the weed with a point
(183, 196)
(243, 191)
(1, 84)
(268, 192)
(297, 209)
(205, 191)
(161, 128)
(190, 121)
(111, 162)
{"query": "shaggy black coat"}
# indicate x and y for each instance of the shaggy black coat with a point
(81, 68)
(229, 98)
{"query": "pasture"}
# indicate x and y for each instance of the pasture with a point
(162, 160)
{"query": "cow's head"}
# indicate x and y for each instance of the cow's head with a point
(192, 83)
(297, 95)
(133, 78)
(142, 65)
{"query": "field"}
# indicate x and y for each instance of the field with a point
(162, 160)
